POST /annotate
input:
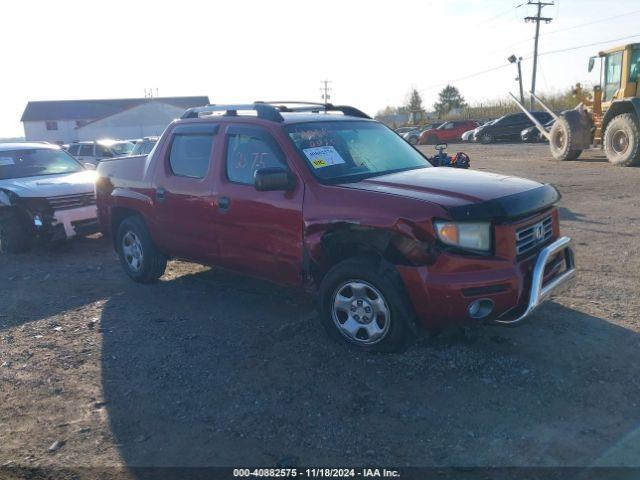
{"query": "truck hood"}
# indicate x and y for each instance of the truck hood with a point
(466, 194)
(51, 185)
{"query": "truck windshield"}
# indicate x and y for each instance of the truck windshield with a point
(37, 161)
(344, 151)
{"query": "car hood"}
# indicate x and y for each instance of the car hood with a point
(466, 194)
(51, 185)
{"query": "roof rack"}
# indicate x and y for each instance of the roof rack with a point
(271, 110)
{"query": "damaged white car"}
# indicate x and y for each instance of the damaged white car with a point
(44, 194)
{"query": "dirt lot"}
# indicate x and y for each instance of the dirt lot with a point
(211, 368)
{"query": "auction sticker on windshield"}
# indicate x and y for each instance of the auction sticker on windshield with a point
(323, 156)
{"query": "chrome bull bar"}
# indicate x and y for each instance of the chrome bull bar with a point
(539, 292)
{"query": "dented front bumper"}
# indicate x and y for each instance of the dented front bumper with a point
(442, 294)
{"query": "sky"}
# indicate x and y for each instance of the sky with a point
(373, 51)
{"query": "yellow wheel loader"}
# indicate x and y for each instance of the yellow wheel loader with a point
(610, 118)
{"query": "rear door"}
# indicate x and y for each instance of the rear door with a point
(184, 204)
(260, 232)
(447, 132)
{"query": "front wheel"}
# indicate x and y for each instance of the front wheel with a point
(622, 141)
(486, 138)
(561, 141)
(363, 303)
(138, 254)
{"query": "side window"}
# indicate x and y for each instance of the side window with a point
(86, 150)
(190, 153)
(246, 154)
(102, 151)
(448, 126)
(74, 149)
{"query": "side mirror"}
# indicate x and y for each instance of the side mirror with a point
(89, 166)
(274, 178)
(592, 62)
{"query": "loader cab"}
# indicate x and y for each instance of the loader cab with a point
(619, 73)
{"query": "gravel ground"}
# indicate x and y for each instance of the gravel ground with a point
(211, 368)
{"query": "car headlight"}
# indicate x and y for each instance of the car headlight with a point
(467, 235)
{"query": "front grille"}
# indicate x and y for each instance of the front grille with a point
(529, 237)
(64, 202)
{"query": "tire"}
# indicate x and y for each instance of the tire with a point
(622, 141)
(14, 237)
(368, 286)
(138, 254)
(561, 142)
(487, 138)
(432, 140)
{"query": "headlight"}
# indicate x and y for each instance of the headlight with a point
(467, 235)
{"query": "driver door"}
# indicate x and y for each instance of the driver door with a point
(260, 232)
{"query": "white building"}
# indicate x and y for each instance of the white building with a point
(67, 121)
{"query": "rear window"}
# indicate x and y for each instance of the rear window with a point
(190, 153)
(36, 161)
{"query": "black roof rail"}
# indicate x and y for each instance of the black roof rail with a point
(271, 110)
(283, 106)
(263, 111)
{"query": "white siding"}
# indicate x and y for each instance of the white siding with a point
(66, 132)
(144, 120)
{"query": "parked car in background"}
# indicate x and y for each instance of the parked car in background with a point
(144, 145)
(340, 205)
(468, 135)
(403, 130)
(44, 193)
(446, 132)
(94, 152)
(412, 136)
(532, 134)
(508, 127)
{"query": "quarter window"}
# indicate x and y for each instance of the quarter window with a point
(190, 154)
(246, 155)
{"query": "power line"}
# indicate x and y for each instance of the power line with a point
(560, 30)
(502, 14)
(550, 52)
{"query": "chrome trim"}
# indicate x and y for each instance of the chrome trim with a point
(539, 292)
(527, 238)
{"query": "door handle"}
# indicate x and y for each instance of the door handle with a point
(223, 204)
(160, 194)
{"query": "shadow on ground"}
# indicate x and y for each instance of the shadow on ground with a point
(205, 373)
(72, 274)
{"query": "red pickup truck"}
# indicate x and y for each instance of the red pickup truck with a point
(321, 197)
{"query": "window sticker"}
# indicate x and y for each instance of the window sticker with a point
(320, 157)
(4, 161)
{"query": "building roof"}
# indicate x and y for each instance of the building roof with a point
(92, 109)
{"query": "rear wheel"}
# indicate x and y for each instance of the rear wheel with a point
(622, 141)
(139, 256)
(14, 236)
(363, 303)
(561, 142)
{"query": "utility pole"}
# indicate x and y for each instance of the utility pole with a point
(536, 19)
(326, 89)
